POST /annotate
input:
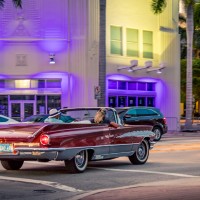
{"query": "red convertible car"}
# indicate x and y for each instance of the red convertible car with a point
(75, 144)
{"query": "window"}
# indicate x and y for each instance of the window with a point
(41, 104)
(22, 97)
(121, 101)
(121, 85)
(41, 83)
(4, 105)
(132, 112)
(141, 86)
(142, 112)
(22, 83)
(54, 102)
(132, 42)
(116, 40)
(131, 101)
(145, 112)
(147, 44)
(132, 85)
(132, 38)
(112, 84)
(112, 101)
(122, 93)
(151, 112)
(53, 83)
(150, 86)
(150, 101)
(141, 101)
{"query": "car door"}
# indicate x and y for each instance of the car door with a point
(144, 116)
(139, 116)
(120, 142)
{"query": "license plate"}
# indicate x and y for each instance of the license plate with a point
(6, 148)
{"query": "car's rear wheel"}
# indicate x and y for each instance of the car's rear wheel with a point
(141, 155)
(12, 164)
(79, 163)
(158, 133)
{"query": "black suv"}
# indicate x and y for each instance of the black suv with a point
(144, 116)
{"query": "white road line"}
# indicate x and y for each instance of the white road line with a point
(148, 172)
(47, 183)
(132, 170)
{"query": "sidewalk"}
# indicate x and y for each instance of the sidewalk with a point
(182, 133)
(184, 189)
(195, 127)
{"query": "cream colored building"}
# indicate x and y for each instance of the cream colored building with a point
(67, 32)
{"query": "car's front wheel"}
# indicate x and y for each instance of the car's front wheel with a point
(12, 164)
(158, 133)
(141, 155)
(79, 163)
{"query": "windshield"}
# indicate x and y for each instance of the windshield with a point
(80, 114)
(86, 114)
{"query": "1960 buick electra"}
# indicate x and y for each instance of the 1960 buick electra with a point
(75, 144)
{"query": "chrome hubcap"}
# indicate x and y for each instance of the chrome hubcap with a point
(157, 133)
(80, 159)
(141, 151)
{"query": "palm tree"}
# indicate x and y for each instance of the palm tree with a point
(16, 3)
(158, 6)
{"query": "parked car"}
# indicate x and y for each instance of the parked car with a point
(144, 116)
(7, 120)
(36, 118)
(73, 143)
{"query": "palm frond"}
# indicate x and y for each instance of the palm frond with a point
(197, 15)
(17, 3)
(2, 3)
(158, 6)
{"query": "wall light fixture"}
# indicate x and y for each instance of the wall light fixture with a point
(133, 64)
(52, 59)
(157, 69)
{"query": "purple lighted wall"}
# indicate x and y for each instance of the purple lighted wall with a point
(132, 85)
(142, 86)
(116, 84)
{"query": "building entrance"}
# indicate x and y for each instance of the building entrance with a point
(19, 110)
(19, 107)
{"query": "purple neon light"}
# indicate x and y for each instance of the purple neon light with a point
(155, 85)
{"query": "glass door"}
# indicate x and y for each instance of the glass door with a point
(19, 110)
(15, 111)
(28, 109)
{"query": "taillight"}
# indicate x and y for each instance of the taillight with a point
(165, 121)
(44, 139)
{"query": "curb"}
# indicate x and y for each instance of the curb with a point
(191, 181)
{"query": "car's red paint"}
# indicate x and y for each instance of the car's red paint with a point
(73, 143)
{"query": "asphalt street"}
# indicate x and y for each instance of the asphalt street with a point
(49, 181)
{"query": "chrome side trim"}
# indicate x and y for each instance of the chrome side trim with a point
(100, 152)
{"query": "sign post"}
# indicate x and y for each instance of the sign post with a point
(97, 92)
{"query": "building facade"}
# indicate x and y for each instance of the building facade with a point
(49, 56)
